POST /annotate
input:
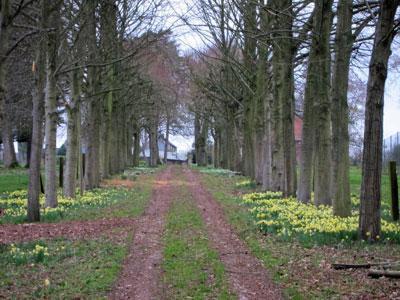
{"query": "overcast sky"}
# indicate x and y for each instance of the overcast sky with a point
(392, 105)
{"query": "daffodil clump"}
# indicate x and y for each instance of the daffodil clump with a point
(246, 183)
(289, 218)
(14, 204)
(217, 172)
(20, 256)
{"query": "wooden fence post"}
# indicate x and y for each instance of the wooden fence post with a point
(41, 183)
(394, 190)
(82, 167)
(61, 174)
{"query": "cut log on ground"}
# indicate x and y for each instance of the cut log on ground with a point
(383, 273)
(342, 266)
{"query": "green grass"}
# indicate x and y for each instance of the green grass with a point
(355, 184)
(119, 203)
(191, 269)
(13, 180)
(112, 203)
(126, 203)
(17, 179)
(72, 270)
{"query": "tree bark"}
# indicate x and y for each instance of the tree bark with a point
(72, 158)
(323, 156)
(110, 137)
(33, 208)
(267, 141)
(316, 115)
(52, 8)
(92, 172)
(249, 57)
(196, 136)
(202, 143)
(136, 146)
(153, 140)
(261, 96)
(9, 157)
(370, 206)
(340, 113)
(285, 56)
(166, 140)
(217, 148)
(28, 151)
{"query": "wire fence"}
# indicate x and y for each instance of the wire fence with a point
(391, 149)
(391, 152)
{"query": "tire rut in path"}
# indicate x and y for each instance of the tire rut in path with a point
(141, 271)
(247, 276)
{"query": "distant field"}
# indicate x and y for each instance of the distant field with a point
(13, 180)
(355, 183)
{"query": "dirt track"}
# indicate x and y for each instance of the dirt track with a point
(140, 276)
(247, 276)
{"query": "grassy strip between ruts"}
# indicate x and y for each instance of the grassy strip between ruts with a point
(191, 269)
(62, 269)
(304, 272)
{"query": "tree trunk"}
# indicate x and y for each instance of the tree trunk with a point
(92, 172)
(53, 10)
(114, 141)
(146, 143)
(136, 146)
(28, 151)
(153, 140)
(277, 155)
(201, 137)
(166, 141)
(316, 118)
(72, 139)
(33, 209)
(6, 128)
(249, 99)
(340, 113)
(9, 156)
(285, 57)
(261, 97)
(196, 136)
(217, 148)
(93, 143)
(129, 145)
(267, 140)
(322, 190)
(202, 159)
(110, 158)
(370, 208)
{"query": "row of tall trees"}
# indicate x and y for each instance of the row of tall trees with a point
(267, 58)
(106, 68)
